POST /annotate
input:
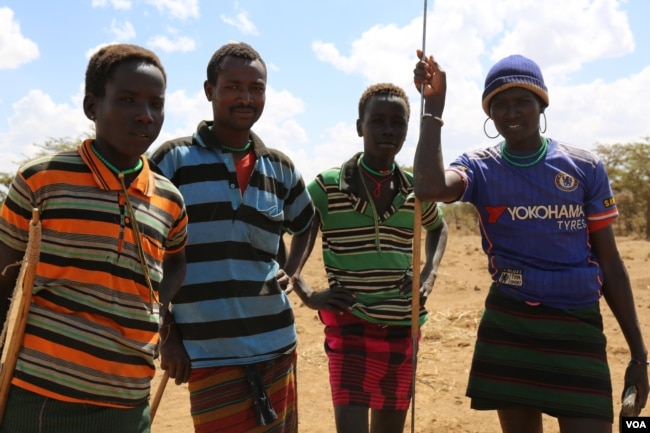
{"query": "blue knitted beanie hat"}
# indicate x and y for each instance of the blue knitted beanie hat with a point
(514, 71)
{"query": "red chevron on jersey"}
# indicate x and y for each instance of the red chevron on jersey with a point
(494, 212)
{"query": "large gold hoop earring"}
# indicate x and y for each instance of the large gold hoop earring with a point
(542, 114)
(485, 129)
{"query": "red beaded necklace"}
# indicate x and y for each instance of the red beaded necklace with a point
(387, 174)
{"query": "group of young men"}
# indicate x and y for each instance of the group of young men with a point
(183, 253)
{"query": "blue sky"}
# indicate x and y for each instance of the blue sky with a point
(595, 56)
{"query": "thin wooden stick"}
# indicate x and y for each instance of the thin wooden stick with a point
(155, 402)
(24, 285)
(415, 300)
(417, 242)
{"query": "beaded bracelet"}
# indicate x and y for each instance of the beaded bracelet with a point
(638, 363)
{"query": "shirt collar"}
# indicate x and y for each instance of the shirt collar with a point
(107, 180)
(350, 177)
(204, 137)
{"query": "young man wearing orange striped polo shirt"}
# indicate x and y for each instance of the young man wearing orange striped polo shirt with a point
(111, 228)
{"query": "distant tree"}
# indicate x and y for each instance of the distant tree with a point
(461, 216)
(52, 145)
(628, 166)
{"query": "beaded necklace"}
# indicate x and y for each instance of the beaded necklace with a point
(114, 169)
(537, 156)
(238, 149)
(381, 173)
(386, 174)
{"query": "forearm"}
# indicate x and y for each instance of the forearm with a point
(428, 164)
(174, 268)
(620, 299)
(302, 245)
(436, 243)
(431, 182)
(617, 289)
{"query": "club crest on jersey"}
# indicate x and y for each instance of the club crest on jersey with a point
(566, 182)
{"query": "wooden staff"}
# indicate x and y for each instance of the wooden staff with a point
(417, 242)
(155, 402)
(415, 300)
(24, 286)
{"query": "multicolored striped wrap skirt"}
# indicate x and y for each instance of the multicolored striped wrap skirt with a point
(369, 365)
(546, 358)
(260, 398)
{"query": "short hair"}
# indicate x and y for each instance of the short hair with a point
(387, 89)
(233, 49)
(102, 64)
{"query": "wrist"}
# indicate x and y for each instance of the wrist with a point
(638, 362)
(437, 119)
(300, 286)
(167, 317)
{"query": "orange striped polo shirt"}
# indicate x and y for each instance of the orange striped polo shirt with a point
(91, 332)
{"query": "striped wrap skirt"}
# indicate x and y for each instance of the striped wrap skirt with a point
(541, 357)
(369, 365)
(258, 398)
(28, 412)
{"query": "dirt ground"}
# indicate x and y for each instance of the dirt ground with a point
(445, 351)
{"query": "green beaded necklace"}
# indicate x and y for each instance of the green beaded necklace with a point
(235, 149)
(114, 169)
(238, 149)
(537, 156)
(381, 173)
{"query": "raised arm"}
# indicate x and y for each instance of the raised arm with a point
(431, 181)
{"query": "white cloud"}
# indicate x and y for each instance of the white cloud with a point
(180, 9)
(15, 49)
(91, 51)
(116, 4)
(490, 30)
(564, 42)
(164, 43)
(379, 54)
(602, 112)
(122, 31)
(186, 111)
(32, 124)
(279, 121)
(338, 144)
(467, 37)
(241, 22)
